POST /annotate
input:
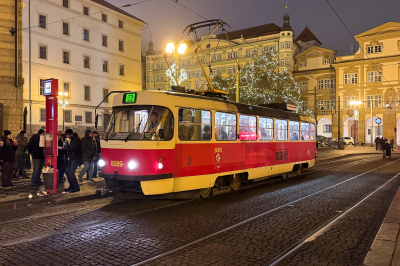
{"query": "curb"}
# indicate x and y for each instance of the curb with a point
(344, 155)
(385, 248)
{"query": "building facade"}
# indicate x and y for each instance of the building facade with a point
(223, 51)
(11, 110)
(91, 47)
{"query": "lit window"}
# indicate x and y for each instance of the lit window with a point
(347, 101)
(376, 100)
(351, 78)
(374, 76)
(194, 125)
(225, 126)
(266, 128)
(281, 127)
(247, 127)
(294, 128)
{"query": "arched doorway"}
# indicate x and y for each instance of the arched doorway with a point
(324, 127)
(350, 128)
(376, 129)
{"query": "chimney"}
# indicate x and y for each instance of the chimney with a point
(352, 49)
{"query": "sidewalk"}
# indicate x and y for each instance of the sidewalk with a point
(332, 152)
(385, 251)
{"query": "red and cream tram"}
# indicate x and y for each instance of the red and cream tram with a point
(167, 142)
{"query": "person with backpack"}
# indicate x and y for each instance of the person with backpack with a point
(37, 154)
(74, 149)
(89, 147)
(8, 157)
(22, 141)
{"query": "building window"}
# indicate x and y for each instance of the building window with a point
(304, 106)
(104, 17)
(283, 45)
(303, 85)
(87, 93)
(66, 57)
(86, 10)
(288, 61)
(120, 24)
(65, 28)
(121, 46)
(347, 101)
(42, 114)
(66, 90)
(232, 55)
(270, 49)
(66, 3)
(121, 70)
(250, 52)
(351, 78)
(42, 21)
(281, 127)
(197, 86)
(374, 49)
(326, 61)
(160, 65)
(225, 126)
(282, 61)
(288, 44)
(105, 93)
(68, 116)
(88, 117)
(86, 61)
(86, 35)
(303, 63)
(41, 86)
(327, 128)
(374, 76)
(104, 40)
(230, 70)
(42, 51)
(376, 100)
(326, 105)
(160, 78)
(217, 57)
(105, 66)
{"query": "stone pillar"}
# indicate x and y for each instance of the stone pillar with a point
(10, 96)
(389, 123)
(361, 125)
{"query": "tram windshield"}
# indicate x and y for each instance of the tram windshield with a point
(140, 123)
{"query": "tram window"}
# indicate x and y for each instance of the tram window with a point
(281, 127)
(312, 134)
(140, 123)
(247, 127)
(305, 131)
(194, 125)
(225, 126)
(266, 128)
(294, 129)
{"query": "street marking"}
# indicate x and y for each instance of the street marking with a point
(251, 219)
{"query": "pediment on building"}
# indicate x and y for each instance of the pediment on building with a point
(373, 43)
(374, 67)
(316, 51)
(374, 91)
(392, 28)
(302, 79)
(326, 76)
(350, 69)
(351, 93)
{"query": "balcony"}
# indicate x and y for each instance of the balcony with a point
(326, 112)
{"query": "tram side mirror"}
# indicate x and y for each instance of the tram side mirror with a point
(161, 133)
(96, 120)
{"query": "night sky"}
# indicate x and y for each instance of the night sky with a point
(167, 19)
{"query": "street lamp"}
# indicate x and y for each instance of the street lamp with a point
(356, 103)
(63, 103)
(176, 49)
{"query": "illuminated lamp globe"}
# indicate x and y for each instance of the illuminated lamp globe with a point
(182, 48)
(101, 163)
(170, 47)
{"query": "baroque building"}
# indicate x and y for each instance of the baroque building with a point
(91, 47)
(223, 54)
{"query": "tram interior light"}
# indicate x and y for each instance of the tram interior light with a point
(160, 165)
(132, 165)
(101, 163)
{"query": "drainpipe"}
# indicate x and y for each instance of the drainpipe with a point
(30, 71)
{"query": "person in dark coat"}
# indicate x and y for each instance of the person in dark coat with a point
(97, 139)
(74, 149)
(8, 157)
(388, 149)
(22, 141)
(61, 158)
(392, 143)
(377, 143)
(37, 157)
(89, 152)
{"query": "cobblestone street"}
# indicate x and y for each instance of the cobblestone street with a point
(327, 216)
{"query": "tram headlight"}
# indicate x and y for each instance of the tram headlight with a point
(160, 165)
(132, 165)
(101, 163)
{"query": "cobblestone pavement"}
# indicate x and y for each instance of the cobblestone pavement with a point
(251, 226)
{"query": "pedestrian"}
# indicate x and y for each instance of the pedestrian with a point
(61, 158)
(387, 151)
(74, 149)
(89, 153)
(392, 143)
(8, 157)
(377, 143)
(98, 154)
(37, 154)
(380, 143)
(22, 141)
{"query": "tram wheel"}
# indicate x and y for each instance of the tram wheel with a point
(285, 175)
(235, 185)
(205, 192)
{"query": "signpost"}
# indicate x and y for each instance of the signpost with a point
(51, 149)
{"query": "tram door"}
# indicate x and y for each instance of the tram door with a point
(140, 120)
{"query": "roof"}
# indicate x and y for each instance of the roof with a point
(112, 7)
(262, 30)
(306, 35)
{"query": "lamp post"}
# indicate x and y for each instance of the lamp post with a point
(176, 49)
(356, 103)
(63, 103)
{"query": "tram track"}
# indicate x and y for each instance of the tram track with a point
(289, 204)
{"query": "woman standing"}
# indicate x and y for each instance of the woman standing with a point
(8, 157)
(61, 159)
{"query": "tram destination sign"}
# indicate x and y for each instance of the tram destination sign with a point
(129, 98)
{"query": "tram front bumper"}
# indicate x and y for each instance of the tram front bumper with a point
(117, 177)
